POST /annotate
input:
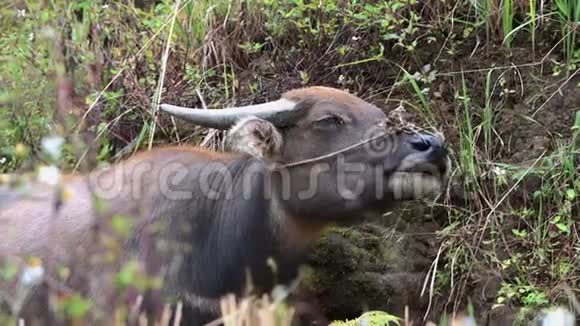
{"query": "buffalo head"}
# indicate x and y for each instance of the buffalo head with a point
(333, 155)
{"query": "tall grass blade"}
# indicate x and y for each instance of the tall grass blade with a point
(532, 14)
(426, 108)
(159, 90)
(507, 21)
(569, 13)
(487, 123)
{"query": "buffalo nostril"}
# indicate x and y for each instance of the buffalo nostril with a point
(421, 144)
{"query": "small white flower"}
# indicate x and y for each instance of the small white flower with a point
(2, 160)
(52, 146)
(340, 78)
(356, 38)
(499, 171)
(105, 6)
(31, 37)
(21, 12)
(49, 175)
(32, 275)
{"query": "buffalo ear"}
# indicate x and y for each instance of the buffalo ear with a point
(254, 136)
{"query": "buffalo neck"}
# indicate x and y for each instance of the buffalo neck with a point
(227, 234)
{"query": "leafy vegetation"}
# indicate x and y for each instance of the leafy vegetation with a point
(499, 77)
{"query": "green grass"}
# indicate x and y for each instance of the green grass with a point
(468, 158)
(507, 20)
(569, 17)
(534, 22)
(487, 124)
(123, 60)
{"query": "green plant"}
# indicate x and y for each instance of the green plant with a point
(371, 318)
(425, 108)
(527, 295)
(569, 14)
(507, 20)
(467, 141)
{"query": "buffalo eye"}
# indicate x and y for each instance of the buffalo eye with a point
(329, 122)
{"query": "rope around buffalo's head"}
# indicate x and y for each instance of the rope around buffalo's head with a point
(395, 123)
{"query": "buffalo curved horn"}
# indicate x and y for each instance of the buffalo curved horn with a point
(225, 118)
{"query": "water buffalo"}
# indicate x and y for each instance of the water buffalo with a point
(315, 157)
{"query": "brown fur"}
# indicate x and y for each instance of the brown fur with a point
(321, 93)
